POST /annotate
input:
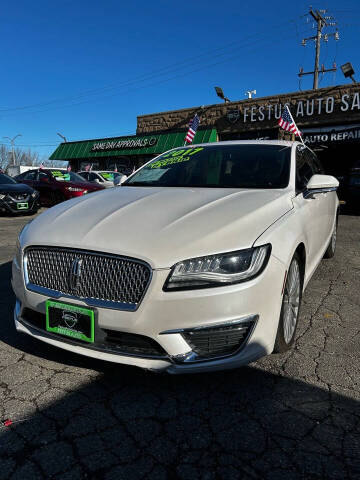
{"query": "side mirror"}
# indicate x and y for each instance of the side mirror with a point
(320, 184)
(96, 180)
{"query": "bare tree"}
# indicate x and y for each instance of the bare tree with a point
(26, 157)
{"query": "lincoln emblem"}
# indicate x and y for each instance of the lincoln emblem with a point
(75, 272)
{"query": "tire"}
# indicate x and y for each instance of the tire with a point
(330, 251)
(290, 307)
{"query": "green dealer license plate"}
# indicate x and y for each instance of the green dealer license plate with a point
(22, 206)
(70, 320)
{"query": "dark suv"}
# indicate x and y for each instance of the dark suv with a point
(56, 185)
(17, 198)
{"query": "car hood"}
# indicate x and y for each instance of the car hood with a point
(160, 225)
(15, 188)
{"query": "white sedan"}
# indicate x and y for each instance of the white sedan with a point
(198, 262)
(107, 179)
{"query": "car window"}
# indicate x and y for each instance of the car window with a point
(304, 169)
(93, 176)
(43, 175)
(84, 175)
(313, 161)
(218, 166)
(108, 176)
(65, 176)
(30, 175)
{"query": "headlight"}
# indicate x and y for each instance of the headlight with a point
(74, 189)
(18, 254)
(2, 196)
(35, 194)
(218, 270)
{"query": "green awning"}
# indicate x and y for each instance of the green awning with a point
(135, 145)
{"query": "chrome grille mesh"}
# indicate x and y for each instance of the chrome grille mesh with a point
(103, 277)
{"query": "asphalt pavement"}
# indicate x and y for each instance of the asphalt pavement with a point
(290, 416)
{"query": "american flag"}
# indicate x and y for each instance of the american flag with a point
(287, 122)
(193, 126)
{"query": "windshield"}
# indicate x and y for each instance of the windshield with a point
(65, 176)
(5, 180)
(218, 166)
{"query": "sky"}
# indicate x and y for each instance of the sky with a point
(86, 69)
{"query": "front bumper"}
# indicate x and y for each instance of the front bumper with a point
(167, 317)
(10, 205)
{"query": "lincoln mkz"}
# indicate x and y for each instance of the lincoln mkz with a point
(198, 262)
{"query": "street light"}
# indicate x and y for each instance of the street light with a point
(12, 141)
(62, 136)
(348, 71)
(250, 93)
(220, 94)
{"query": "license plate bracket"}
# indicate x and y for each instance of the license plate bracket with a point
(71, 321)
(22, 206)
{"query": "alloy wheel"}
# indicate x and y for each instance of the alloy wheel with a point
(291, 300)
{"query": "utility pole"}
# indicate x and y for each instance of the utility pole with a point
(321, 22)
(12, 141)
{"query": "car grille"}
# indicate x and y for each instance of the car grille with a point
(19, 196)
(102, 280)
(109, 340)
(218, 341)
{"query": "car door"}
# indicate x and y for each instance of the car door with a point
(331, 197)
(28, 178)
(313, 210)
(44, 186)
(95, 178)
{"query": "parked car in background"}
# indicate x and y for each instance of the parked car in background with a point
(106, 178)
(56, 185)
(351, 191)
(17, 198)
(198, 262)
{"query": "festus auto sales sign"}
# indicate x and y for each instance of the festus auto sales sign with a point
(300, 109)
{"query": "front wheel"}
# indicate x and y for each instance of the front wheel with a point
(290, 307)
(330, 251)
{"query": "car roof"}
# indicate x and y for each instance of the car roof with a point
(285, 143)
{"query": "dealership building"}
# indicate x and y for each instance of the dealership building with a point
(329, 119)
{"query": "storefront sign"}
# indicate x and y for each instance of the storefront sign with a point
(124, 144)
(337, 134)
(299, 110)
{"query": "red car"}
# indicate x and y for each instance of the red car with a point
(56, 185)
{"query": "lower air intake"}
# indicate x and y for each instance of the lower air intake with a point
(218, 341)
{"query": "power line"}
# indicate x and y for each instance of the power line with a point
(148, 76)
(187, 72)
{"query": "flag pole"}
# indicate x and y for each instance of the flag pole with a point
(292, 118)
